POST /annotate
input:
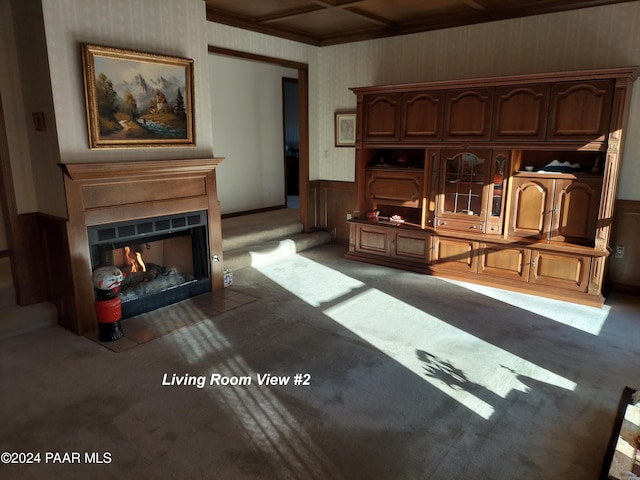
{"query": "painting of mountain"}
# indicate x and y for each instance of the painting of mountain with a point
(137, 99)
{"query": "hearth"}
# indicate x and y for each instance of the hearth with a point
(164, 259)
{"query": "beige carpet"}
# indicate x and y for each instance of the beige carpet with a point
(401, 376)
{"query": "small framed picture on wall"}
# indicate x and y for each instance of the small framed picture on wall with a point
(345, 128)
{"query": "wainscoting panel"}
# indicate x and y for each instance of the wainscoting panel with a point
(331, 201)
(623, 274)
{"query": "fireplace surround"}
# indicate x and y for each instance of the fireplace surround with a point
(103, 196)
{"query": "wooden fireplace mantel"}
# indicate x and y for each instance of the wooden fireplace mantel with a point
(108, 192)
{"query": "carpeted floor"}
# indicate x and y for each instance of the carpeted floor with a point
(377, 374)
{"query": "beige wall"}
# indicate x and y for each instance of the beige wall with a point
(172, 27)
(246, 108)
(16, 118)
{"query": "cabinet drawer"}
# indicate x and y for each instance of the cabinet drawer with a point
(395, 188)
(459, 225)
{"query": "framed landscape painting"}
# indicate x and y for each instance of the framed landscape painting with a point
(137, 100)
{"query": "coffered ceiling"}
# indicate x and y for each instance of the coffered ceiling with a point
(330, 22)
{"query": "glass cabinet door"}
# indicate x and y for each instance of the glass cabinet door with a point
(497, 191)
(497, 186)
(463, 183)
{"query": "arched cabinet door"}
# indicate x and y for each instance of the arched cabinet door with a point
(531, 203)
(580, 111)
(521, 112)
(555, 209)
(577, 206)
(422, 116)
(381, 122)
(468, 114)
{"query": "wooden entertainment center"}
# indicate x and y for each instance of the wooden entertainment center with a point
(504, 181)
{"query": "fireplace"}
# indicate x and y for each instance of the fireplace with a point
(164, 259)
(163, 214)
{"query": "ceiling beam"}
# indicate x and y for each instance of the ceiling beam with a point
(475, 5)
(351, 7)
(287, 14)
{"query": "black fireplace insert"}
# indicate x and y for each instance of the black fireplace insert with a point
(164, 259)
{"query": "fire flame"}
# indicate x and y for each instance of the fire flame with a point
(134, 259)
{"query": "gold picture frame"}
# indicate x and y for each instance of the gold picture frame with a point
(137, 100)
(345, 129)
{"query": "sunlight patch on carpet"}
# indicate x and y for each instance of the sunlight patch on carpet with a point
(584, 318)
(308, 280)
(477, 374)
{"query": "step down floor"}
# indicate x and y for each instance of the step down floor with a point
(264, 237)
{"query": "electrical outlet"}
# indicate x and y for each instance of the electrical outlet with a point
(619, 252)
(348, 216)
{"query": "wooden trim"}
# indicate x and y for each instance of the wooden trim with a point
(256, 58)
(251, 212)
(334, 185)
(17, 249)
(94, 172)
(57, 266)
(606, 74)
(303, 146)
(622, 273)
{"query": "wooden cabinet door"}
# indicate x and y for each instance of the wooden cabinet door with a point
(521, 112)
(464, 177)
(497, 189)
(468, 114)
(422, 116)
(402, 188)
(580, 110)
(454, 254)
(415, 247)
(371, 239)
(553, 269)
(381, 122)
(505, 262)
(531, 204)
(576, 209)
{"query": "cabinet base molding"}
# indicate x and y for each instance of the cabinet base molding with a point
(478, 279)
(539, 291)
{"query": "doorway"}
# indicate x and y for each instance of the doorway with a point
(8, 257)
(303, 119)
(291, 130)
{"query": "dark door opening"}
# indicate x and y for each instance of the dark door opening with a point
(290, 108)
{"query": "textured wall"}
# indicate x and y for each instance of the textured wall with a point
(171, 27)
(597, 37)
(590, 38)
(246, 108)
(17, 121)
